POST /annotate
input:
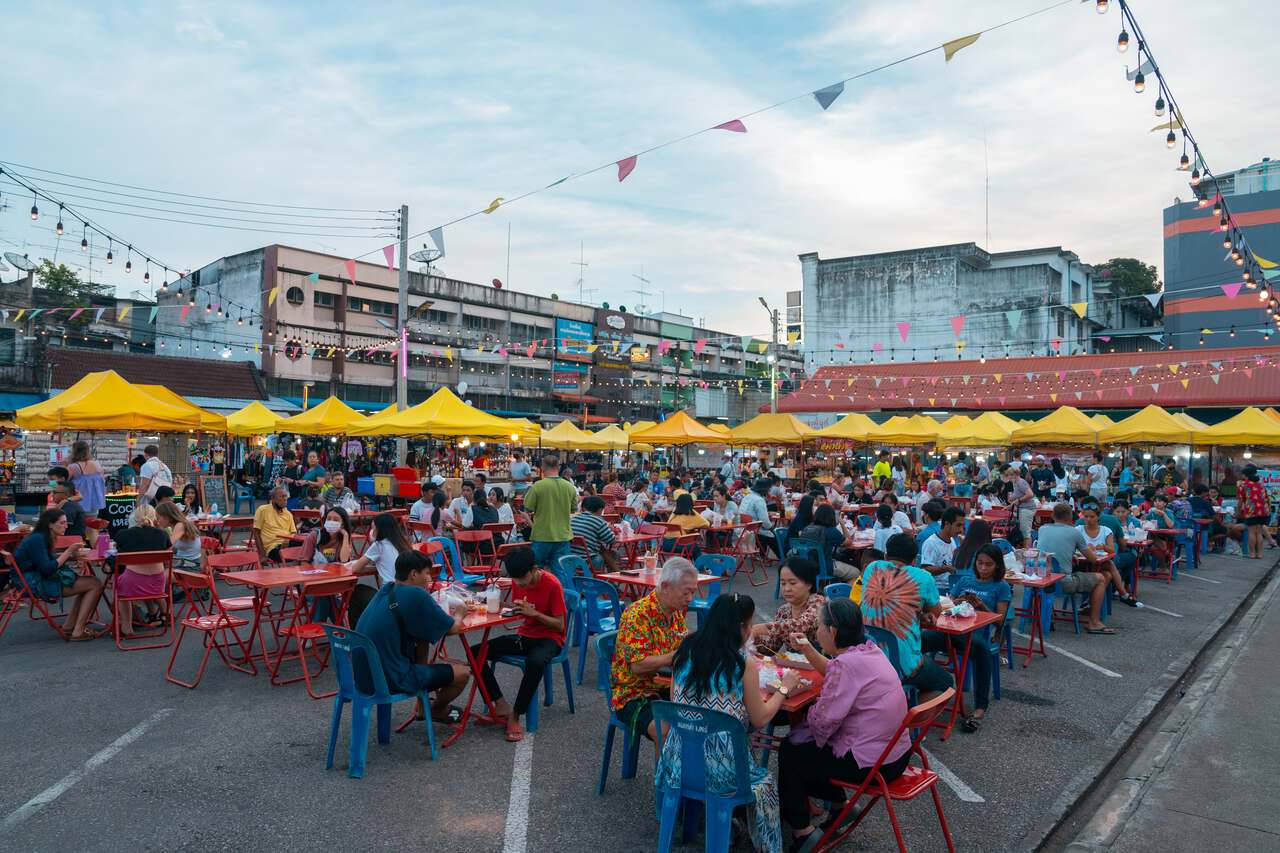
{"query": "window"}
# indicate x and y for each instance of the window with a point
(323, 300)
(295, 296)
(371, 306)
(1062, 325)
(443, 318)
(8, 346)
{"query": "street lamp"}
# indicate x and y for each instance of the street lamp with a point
(772, 358)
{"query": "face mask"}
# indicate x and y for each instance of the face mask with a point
(53, 483)
(333, 526)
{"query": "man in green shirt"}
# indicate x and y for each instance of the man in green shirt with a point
(552, 502)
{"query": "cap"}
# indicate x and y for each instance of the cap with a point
(1039, 457)
(437, 480)
(1172, 490)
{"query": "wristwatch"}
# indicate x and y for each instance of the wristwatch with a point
(784, 691)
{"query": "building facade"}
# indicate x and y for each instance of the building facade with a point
(1203, 289)
(944, 302)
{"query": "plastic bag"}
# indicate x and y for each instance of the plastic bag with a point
(963, 610)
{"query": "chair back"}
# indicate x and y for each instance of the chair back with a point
(499, 528)
(838, 590)
(421, 529)
(1003, 545)
(812, 550)
(338, 589)
(347, 646)
(865, 522)
(210, 545)
(695, 725)
(305, 514)
(473, 536)
(569, 567)
(918, 719)
(648, 528)
(590, 592)
(606, 644)
(721, 565)
(144, 558)
(449, 559)
(888, 644)
(681, 546)
(9, 539)
(233, 561)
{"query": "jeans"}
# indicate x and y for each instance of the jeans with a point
(537, 653)
(1125, 562)
(962, 490)
(548, 554)
(806, 769)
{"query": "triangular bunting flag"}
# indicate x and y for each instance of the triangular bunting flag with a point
(1154, 298)
(1232, 290)
(389, 252)
(1081, 308)
(1173, 368)
(626, 166)
(351, 270)
(1216, 377)
(903, 328)
(1216, 365)
(999, 376)
(1053, 397)
(1057, 346)
(97, 315)
(732, 125)
(314, 277)
(827, 95)
(152, 317)
(1264, 263)
(272, 294)
(1133, 371)
(495, 204)
(877, 347)
(183, 317)
(437, 237)
(1185, 382)
(957, 324)
(74, 314)
(933, 401)
(1248, 371)
(699, 345)
(124, 312)
(1128, 389)
(951, 48)
(1106, 339)
(1013, 317)
(1079, 394)
(1098, 393)
(1155, 387)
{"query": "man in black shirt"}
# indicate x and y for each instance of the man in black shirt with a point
(1042, 478)
(75, 513)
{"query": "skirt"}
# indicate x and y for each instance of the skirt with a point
(131, 584)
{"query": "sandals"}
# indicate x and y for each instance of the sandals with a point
(451, 717)
(1103, 630)
(971, 724)
(89, 634)
(515, 732)
(1130, 600)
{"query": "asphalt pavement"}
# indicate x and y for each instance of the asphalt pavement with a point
(101, 754)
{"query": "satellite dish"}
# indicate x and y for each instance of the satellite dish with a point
(462, 389)
(497, 284)
(426, 256)
(604, 305)
(19, 262)
(4, 267)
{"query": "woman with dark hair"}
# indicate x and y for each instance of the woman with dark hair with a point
(1254, 509)
(798, 613)
(976, 537)
(440, 514)
(190, 500)
(333, 545)
(387, 541)
(803, 517)
(689, 521)
(481, 514)
(49, 577)
(1062, 483)
(826, 531)
(709, 670)
(985, 589)
(851, 723)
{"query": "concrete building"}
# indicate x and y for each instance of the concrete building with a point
(1197, 266)
(518, 354)
(1015, 302)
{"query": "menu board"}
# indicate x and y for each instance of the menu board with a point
(213, 490)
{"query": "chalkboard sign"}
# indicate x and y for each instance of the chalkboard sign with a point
(213, 490)
(118, 510)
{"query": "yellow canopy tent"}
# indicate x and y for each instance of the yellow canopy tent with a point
(771, 430)
(1198, 425)
(638, 425)
(990, 429)
(1102, 421)
(614, 438)
(381, 416)
(253, 419)
(105, 400)
(678, 429)
(442, 414)
(1251, 427)
(1068, 425)
(567, 436)
(852, 427)
(718, 427)
(209, 421)
(8, 424)
(330, 417)
(1269, 412)
(954, 422)
(1151, 425)
(900, 430)
(525, 428)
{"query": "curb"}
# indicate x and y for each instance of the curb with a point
(1126, 731)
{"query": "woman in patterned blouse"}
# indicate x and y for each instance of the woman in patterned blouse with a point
(798, 613)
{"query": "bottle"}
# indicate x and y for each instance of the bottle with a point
(213, 510)
(492, 599)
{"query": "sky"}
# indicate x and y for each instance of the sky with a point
(446, 106)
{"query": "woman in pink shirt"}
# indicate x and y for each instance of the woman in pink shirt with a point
(858, 711)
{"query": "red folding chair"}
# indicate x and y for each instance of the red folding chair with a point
(421, 531)
(10, 539)
(306, 514)
(230, 526)
(306, 631)
(681, 546)
(499, 529)
(913, 782)
(39, 606)
(749, 554)
(125, 603)
(479, 558)
(212, 620)
(233, 561)
(10, 603)
(300, 553)
(210, 545)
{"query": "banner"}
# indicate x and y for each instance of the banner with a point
(616, 329)
(572, 338)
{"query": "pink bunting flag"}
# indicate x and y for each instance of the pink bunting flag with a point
(1232, 290)
(1057, 347)
(389, 252)
(76, 313)
(1248, 371)
(839, 346)
(502, 351)
(663, 346)
(351, 270)
(933, 380)
(532, 348)
(733, 125)
(877, 347)
(1001, 399)
(1106, 339)
(1128, 389)
(1062, 374)
(903, 328)
(957, 324)
(1097, 372)
(1099, 393)
(626, 166)
(183, 317)
(699, 345)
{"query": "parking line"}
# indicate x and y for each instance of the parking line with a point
(516, 838)
(963, 791)
(1198, 578)
(1066, 654)
(1146, 606)
(102, 756)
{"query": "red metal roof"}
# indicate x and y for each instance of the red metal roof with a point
(1240, 376)
(189, 377)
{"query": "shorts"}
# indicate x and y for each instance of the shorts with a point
(930, 678)
(638, 714)
(1255, 520)
(433, 676)
(1080, 582)
(131, 584)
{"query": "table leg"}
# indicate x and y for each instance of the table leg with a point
(1035, 630)
(959, 666)
(259, 602)
(477, 684)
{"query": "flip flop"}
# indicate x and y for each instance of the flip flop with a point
(1105, 631)
(451, 717)
(514, 735)
(971, 724)
(89, 634)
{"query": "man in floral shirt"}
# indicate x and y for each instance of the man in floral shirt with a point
(649, 633)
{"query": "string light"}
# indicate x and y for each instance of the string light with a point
(128, 264)
(84, 241)
(146, 276)
(35, 211)
(1122, 41)
(1159, 105)
(1171, 140)
(1102, 6)
(58, 229)
(1140, 82)
(110, 257)
(1195, 177)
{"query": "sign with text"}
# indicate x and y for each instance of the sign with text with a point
(574, 340)
(569, 376)
(614, 333)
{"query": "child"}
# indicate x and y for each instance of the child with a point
(985, 589)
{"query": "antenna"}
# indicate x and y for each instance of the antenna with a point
(643, 291)
(986, 162)
(582, 265)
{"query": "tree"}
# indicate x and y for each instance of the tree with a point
(1130, 276)
(63, 285)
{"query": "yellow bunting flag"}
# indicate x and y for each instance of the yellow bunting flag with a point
(848, 383)
(617, 345)
(494, 205)
(448, 353)
(1185, 382)
(330, 353)
(271, 296)
(591, 348)
(1172, 124)
(257, 347)
(124, 312)
(762, 347)
(18, 317)
(739, 387)
(1173, 368)
(1080, 308)
(954, 46)
(933, 401)
(1053, 397)
(792, 337)
(1263, 262)
(999, 376)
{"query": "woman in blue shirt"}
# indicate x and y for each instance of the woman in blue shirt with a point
(50, 578)
(985, 589)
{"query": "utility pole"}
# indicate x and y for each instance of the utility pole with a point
(402, 311)
(772, 357)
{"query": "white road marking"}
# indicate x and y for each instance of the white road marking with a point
(1078, 659)
(963, 791)
(517, 835)
(1146, 606)
(48, 795)
(1198, 578)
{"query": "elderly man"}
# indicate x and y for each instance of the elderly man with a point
(648, 634)
(273, 525)
(934, 491)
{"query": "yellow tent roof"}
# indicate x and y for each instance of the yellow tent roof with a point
(105, 400)
(1271, 413)
(1197, 425)
(330, 417)
(526, 428)
(899, 430)
(614, 438)
(718, 427)
(638, 425)
(1102, 421)
(381, 416)
(1068, 425)
(678, 429)
(852, 427)
(567, 436)
(1152, 425)
(253, 419)
(954, 422)
(442, 414)
(1252, 427)
(990, 429)
(771, 429)
(209, 421)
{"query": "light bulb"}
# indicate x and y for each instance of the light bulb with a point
(1235, 253)
(208, 309)
(1171, 140)
(1140, 83)
(1159, 106)
(146, 277)
(84, 241)
(58, 229)
(1102, 6)
(1217, 207)
(1122, 41)
(128, 266)
(1195, 177)
(1232, 333)
(1184, 163)
(1223, 225)
(35, 211)
(110, 257)
(1239, 260)
(1201, 340)
(164, 285)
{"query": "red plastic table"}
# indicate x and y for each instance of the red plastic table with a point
(958, 627)
(477, 620)
(263, 581)
(637, 585)
(631, 545)
(1036, 626)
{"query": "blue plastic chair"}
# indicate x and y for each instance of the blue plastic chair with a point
(813, 551)
(1003, 545)
(569, 567)
(982, 640)
(865, 522)
(344, 643)
(712, 564)
(561, 659)
(593, 618)
(780, 536)
(695, 725)
(888, 644)
(450, 562)
(240, 493)
(838, 590)
(606, 644)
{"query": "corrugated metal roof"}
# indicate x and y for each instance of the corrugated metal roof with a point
(189, 377)
(1241, 376)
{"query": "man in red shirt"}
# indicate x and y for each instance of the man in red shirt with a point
(613, 489)
(537, 595)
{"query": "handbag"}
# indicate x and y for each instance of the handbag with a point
(67, 576)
